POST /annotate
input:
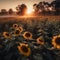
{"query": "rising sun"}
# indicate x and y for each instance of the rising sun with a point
(29, 11)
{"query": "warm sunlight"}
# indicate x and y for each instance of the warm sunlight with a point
(30, 10)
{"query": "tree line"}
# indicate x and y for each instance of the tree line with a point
(42, 8)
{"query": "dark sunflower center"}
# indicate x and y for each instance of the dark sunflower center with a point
(15, 25)
(57, 40)
(27, 34)
(40, 40)
(17, 31)
(7, 34)
(24, 48)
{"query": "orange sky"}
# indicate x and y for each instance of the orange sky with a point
(6, 4)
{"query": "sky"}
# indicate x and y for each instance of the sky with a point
(6, 4)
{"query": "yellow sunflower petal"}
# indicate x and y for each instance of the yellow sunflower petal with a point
(21, 29)
(6, 35)
(24, 50)
(27, 35)
(56, 41)
(15, 26)
(40, 41)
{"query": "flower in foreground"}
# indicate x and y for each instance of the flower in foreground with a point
(40, 41)
(15, 26)
(27, 35)
(20, 28)
(56, 41)
(24, 49)
(6, 35)
(17, 32)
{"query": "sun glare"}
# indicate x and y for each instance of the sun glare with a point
(30, 10)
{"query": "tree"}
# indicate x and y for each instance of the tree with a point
(53, 3)
(38, 8)
(10, 11)
(57, 7)
(35, 9)
(3, 12)
(21, 9)
(18, 8)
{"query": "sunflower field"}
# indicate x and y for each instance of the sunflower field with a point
(30, 40)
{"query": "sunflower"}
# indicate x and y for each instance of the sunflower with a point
(6, 35)
(20, 28)
(15, 26)
(27, 35)
(17, 32)
(24, 49)
(56, 41)
(40, 41)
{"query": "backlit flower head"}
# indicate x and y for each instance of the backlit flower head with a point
(56, 41)
(24, 49)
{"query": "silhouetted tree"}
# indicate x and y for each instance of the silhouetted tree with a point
(18, 8)
(44, 8)
(21, 9)
(3, 12)
(53, 3)
(38, 8)
(10, 11)
(57, 7)
(35, 9)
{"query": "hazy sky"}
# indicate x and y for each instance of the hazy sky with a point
(6, 4)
